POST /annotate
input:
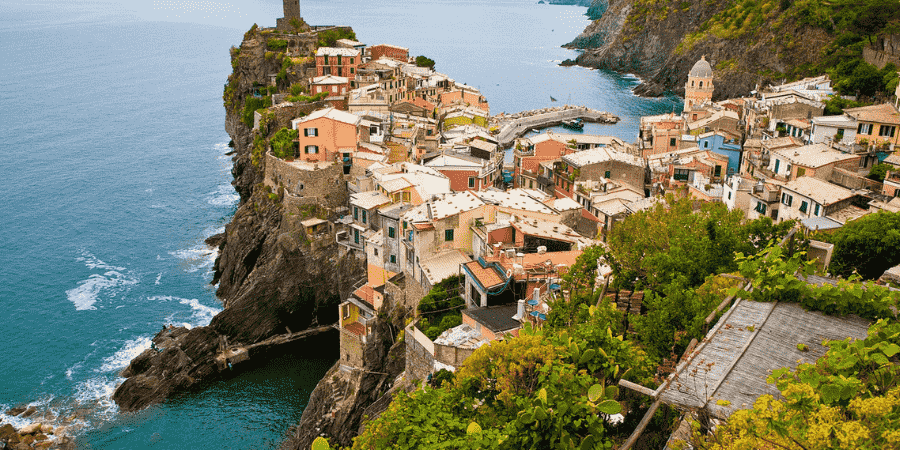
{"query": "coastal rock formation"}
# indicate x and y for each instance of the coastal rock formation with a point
(272, 279)
(660, 41)
(34, 436)
(346, 395)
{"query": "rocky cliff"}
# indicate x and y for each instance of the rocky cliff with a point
(747, 43)
(273, 280)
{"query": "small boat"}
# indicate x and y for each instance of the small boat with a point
(574, 124)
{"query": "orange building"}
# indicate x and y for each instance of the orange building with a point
(389, 51)
(325, 134)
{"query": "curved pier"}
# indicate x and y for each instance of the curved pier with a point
(526, 121)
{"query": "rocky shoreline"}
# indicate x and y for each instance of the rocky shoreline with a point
(45, 433)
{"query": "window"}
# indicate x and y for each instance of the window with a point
(607, 174)
(390, 232)
(355, 236)
(801, 171)
(718, 171)
(777, 163)
(339, 60)
(729, 195)
(817, 209)
(364, 216)
(345, 310)
(448, 235)
(886, 131)
(864, 128)
(340, 71)
(311, 149)
(804, 206)
(787, 199)
(310, 132)
(471, 182)
(352, 70)
(355, 213)
(760, 208)
(671, 142)
(404, 225)
(681, 174)
(376, 251)
(326, 60)
(393, 259)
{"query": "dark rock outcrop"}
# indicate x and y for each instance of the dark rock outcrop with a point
(271, 280)
(345, 396)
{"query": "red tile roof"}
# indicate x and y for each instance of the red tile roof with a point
(366, 294)
(487, 276)
(356, 328)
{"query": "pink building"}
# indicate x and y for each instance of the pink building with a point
(342, 62)
(326, 134)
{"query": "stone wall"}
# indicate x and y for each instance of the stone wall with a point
(351, 349)
(414, 290)
(324, 181)
(453, 356)
(852, 180)
(419, 359)
(886, 50)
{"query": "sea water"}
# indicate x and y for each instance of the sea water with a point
(114, 170)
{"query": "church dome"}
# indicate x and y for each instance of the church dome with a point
(701, 69)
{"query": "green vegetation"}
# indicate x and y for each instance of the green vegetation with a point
(544, 389)
(276, 44)
(674, 241)
(251, 105)
(298, 24)
(423, 61)
(297, 89)
(251, 32)
(836, 105)
(867, 246)
(879, 171)
(307, 99)
(329, 38)
(440, 309)
(283, 143)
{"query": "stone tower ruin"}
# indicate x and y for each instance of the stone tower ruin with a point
(291, 11)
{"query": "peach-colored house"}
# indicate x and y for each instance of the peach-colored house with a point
(877, 124)
(326, 134)
(530, 152)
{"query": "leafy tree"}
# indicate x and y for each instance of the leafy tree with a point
(542, 389)
(329, 38)
(673, 240)
(298, 25)
(283, 143)
(836, 105)
(850, 398)
(677, 315)
(423, 61)
(879, 171)
(868, 245)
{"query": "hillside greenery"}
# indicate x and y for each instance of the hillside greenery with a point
(847, 26)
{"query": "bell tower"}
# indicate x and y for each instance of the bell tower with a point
(699, 86)
(291, 11)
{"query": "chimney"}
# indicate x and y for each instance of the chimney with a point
(537, 294)
(520, 311)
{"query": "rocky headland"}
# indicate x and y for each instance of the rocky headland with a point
(40, 434)
(660, 41)
(275, 284)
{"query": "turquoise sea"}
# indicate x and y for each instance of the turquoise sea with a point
(114, 170)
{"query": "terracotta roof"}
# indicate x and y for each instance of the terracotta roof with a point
(366, 294)
(883, 113)
(356, 328)
(487, 276)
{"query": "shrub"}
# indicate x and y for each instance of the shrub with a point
(276, 44)
(283, 142)
(330, 37)
(251, 105)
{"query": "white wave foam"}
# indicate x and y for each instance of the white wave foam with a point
(96, 393)
(197, 257)
(224, 195)
(222, 147)
(158, 277)
(85, 295)
(123, 357)
(203, 314)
